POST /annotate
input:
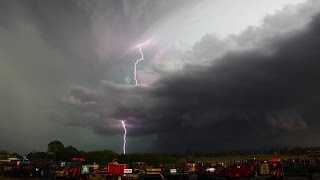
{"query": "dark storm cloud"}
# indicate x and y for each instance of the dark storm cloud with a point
(244, 98)
(266, 88)
(47, 46)
(249, 97)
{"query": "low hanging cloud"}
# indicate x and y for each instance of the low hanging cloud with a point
(262, 88)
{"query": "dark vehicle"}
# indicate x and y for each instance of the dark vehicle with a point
(49, 170)
(37, 169)
(151, 177)
(305, 168)
(139, 167)
(173, 171)
(210, 171)
(314, 167)
(152, 174)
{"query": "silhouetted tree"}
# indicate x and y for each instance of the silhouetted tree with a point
(37, 155)
(54, 147)
(67, 153)
(104, 156)
(4, 154)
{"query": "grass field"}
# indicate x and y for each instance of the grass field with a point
(228, 159)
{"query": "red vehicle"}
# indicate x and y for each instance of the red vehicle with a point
(189, 167)
(275, 167)
(4, 164)
(239, 170)
(117, 169)
(271, 169)
(113, 170)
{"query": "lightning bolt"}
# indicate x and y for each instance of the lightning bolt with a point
(124, 137)
(135, 65)
(136, 84)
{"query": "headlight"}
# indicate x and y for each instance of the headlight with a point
(37, 169)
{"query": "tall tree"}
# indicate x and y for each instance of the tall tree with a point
(54, 147)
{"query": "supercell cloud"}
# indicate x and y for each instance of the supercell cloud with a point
(209, 81)
(260, 85)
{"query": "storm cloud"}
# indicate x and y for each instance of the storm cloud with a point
(216, 76)
(267, 91)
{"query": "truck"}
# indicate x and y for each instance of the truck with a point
(272, 168)
(71, 169)
(239, 170)
(115, 171)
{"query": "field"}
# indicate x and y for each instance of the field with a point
(228, 159)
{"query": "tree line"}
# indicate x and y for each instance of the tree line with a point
(58, 152)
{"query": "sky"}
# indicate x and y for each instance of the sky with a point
(217, 74)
